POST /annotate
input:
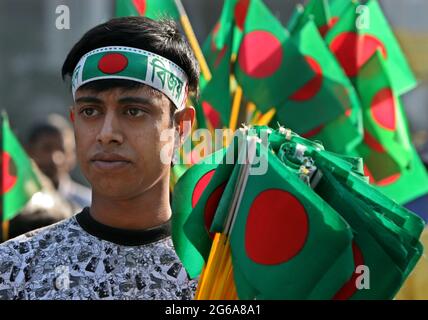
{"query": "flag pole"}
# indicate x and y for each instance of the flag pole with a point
(193, 41)
(4, 230)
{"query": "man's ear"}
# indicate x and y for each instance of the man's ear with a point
(184, 120)
(71, 109)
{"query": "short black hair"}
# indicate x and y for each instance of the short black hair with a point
(39, 130)
(161, 37)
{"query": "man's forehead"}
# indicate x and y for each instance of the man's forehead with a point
(142, 91)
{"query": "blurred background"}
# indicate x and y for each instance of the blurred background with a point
(33, 49)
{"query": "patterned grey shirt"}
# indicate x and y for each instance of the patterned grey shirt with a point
(80, 258)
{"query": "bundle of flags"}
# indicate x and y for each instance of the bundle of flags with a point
(18, 179)
(276, 216)
(335, 75)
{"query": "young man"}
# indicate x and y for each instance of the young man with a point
(130, 79)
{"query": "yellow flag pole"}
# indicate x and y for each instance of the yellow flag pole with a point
(235, 108)
(188, 30)
(5, 230)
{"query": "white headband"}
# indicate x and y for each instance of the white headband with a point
(136, 65)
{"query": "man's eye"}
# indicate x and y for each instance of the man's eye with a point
(89, 112)
(134, 112)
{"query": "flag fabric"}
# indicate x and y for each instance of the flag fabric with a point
(269, 66)
(199, 223)
(307, 224)
(279, 226)
(186, 195)
(357, 36)
(215, 98)
(386, 148)
(154, 9)
(326, 96)
(385, 234)
(317, 11)
(232, 20)
(19, 182)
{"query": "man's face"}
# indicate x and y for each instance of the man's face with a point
(118, 139)
(52, 155)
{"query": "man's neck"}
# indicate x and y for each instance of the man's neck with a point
(147, 210)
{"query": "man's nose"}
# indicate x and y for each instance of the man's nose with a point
(110, 131)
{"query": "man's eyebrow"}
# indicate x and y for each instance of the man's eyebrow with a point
(88, 99)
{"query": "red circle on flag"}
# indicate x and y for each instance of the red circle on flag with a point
(241, 9)
(260, 55)
(9, 171)
(276, 228)
(200, 186)
(211, 114)
(211, 207)
(113, 63)
(313, 86)
(388, 180)
(383, 109)
(353, 50)
(385, 181)
(141, 6)
(349, 288)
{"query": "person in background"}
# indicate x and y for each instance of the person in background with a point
(51, 145)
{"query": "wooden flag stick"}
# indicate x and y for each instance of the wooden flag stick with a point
(266, 118)
(5, 230)
(193, 41)
(236, 105)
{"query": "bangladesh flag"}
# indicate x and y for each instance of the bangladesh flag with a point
(319, 12)
(282, 225)
(19, 182)
(269, 67)
(326, 96)
(199, 223)
(215, 99)
(340, 135)
(385, 235)
(154, 9)
(186, 195)
(232, 20)
(356, 37)
(386, 148)
(407, 185)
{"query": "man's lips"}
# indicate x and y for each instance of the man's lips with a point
(109, 161)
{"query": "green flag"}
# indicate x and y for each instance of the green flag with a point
(19, 182)
(154, 9)
(198, 224)
(326, 96)
(282, 225)
(232, 20)
(187, 193)
(215, 99)
(407, 185)
(387, 148)
(319, 12)
(385, 244)
(340, 135)
(269, 66)
(357, 36)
